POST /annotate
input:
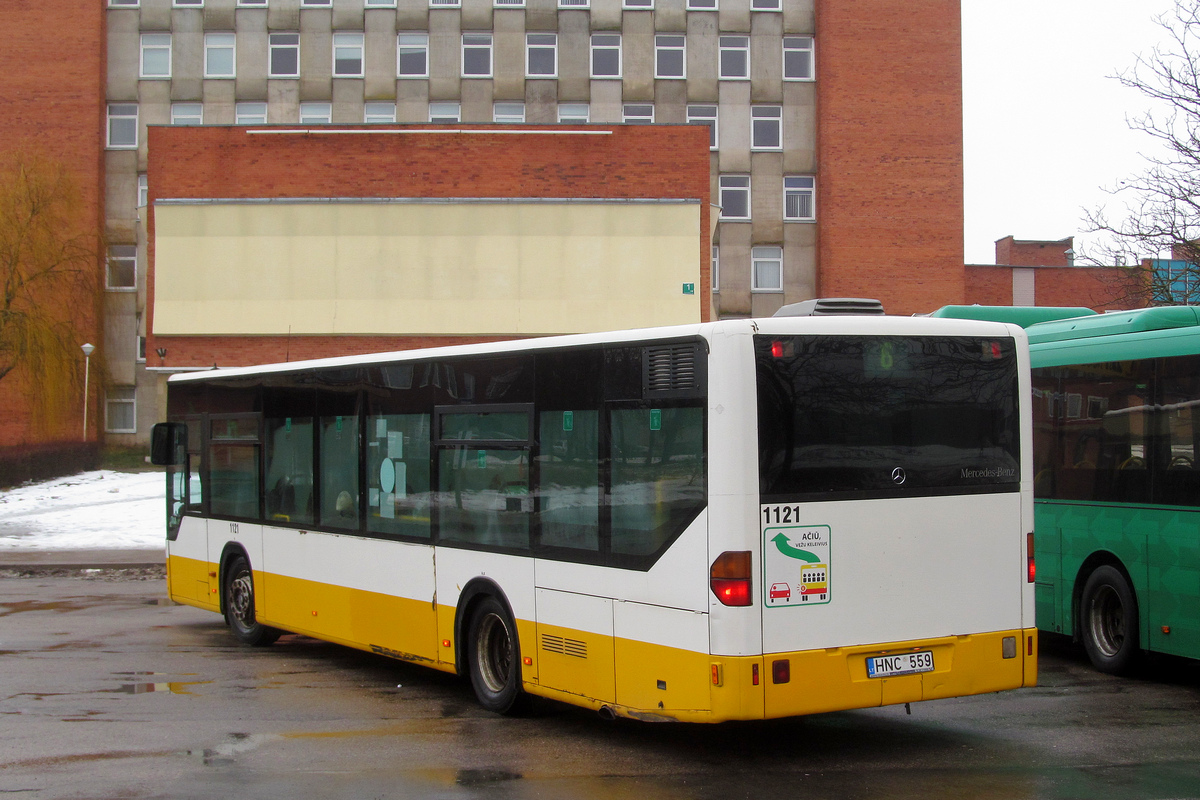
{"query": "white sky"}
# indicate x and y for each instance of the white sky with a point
(1044, 128)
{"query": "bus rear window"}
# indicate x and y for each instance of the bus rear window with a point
(845, 417)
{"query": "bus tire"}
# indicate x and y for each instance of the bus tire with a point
(494, 658)
(239, 605)
(1108, 619)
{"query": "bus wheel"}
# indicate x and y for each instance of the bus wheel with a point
(239, 605)
(494, 658)
(1109, 618)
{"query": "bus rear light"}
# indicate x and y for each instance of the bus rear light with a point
(754, 674)
(781, 671)
(730, 578)
(717, 678)
(1031, 567)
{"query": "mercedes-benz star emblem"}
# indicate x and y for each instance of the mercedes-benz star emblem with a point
(898, 476)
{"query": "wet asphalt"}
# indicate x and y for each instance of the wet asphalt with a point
(109, 690)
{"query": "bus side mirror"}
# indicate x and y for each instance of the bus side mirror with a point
(168, 444)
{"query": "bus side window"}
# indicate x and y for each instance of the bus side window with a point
(568, 491)
(289, 470)
(658, 479)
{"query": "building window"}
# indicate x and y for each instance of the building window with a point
(735, 197)
(766, 127)
(143, 191)
(766, 269)
(573, 113)
(797, 58)
(508, 112)
(121, 272)
(187, 114)
(445, 3)
(508, 3)
(606, 55)
(188, 3)
(670, 56)
(122, 125)
(156, 55)
(316, 113)
(799, 198)
(412, 55)
(444, 112)
(250, 114)
(477, 55)
(141, 349)
(705, 115)
(284, 55)
(638, 113)
(765, 5)
(220, 55)
(574, 3)
(347, 55)
(641, 4)
(120, 410)
(716, 268)
(316, 3)
(380, 3)
(734, 57)
(541, 55)
(379, 113)
(123, 3)
(261, 3)
(702, 5)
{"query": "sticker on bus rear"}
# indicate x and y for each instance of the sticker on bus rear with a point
(795, 559)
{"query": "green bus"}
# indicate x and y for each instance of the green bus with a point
(1117, 477)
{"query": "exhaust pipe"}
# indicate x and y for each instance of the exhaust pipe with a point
(606, 713)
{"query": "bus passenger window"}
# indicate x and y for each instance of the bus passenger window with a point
(398, 474)
(658, 480)
(289, 478)
(568, 492)
(339, 472)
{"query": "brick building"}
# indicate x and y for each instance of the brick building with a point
(835, 141)
(1034, 272)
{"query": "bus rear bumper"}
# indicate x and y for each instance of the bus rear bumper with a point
(837, 678)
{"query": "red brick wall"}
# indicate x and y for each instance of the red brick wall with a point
(890, 151)
(1033, 253)
(52, 96)
(630, 162)
(1098, 288)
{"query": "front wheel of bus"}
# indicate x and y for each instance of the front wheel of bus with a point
(239, 605)
(1109, 618)
(494, 658)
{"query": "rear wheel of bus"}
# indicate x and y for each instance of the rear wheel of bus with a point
(494, 658)
(1109, 621)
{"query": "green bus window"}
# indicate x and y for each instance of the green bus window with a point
(398, 493)
(1177, 431)
(489, 425)
(483, 496)
(658, 479)
(233, 478)
(289, 476)
(339, 472)
(568, 491)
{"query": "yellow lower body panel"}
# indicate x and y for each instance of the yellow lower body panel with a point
(189, 582)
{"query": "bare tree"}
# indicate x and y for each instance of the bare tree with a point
(48, 265)
(1163, 202)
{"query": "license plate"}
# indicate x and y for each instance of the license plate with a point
(902, 664)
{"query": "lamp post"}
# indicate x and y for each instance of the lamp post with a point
(87, 363)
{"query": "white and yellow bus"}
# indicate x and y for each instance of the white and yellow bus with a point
(735, 520)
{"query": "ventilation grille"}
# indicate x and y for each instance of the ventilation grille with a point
(831, 306)
(671, 368)
(566, 647)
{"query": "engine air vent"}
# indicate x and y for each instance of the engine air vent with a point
(831, 306)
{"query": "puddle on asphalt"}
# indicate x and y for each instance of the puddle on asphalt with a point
(146, 687)
(8, 609)
(476, 777)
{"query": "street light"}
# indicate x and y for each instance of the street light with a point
(87, 349)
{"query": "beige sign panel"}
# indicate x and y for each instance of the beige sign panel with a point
(424, 268)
